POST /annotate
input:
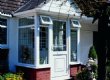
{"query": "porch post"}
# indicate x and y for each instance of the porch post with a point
(36, 50)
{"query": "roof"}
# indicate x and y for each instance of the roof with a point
(10, 6)
(31, 5)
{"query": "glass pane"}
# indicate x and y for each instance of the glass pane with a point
(59, 36)
(26, 45)
(3, 31)
(75, 22)
(26, 21)
(46, 19)
(43, 45)
(73, 45)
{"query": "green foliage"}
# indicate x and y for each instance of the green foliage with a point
(108, 70)
(1, 78)
(11, 76)
(83, 75)
(92, 53)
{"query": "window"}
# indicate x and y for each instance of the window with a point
(26, 40)
(44, 45)
(73, 45)
(3, 31)
(26, 21)
(59, 36)
(75, 23)
(45, 20)
(26, 45)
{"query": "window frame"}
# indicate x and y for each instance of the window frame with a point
(5, 45)
(78, 46)
(46, 22)
(21, 27)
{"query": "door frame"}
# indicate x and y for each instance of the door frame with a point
(67, 48)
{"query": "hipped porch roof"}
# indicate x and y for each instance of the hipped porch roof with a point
(9, 7)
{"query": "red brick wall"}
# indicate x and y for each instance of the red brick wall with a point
(43, 74)
(35, 74)
(74, 69)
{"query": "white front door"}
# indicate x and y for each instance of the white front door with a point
(59, 60)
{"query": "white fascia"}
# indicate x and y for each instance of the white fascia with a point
(45, 12)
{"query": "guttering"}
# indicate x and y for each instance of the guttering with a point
(5, 15)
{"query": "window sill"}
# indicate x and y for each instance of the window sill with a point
(3, 46)
(74, 63)
(44, 66)
(33, 66)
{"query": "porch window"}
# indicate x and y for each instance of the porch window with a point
(26, 45)
(59, 36)
(73, 45)
(44, 45)
(3, 31)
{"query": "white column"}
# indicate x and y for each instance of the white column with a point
(36, 51)
(78, 45)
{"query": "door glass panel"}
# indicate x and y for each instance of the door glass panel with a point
(59, 36)
(43, 45)
(73, 45)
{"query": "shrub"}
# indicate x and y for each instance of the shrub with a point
(12, 76)
(1, 78)
(92, 53)
(83, 75)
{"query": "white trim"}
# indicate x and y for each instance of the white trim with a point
(37, 30)
(46, 22)
(2, 26)
(26, 26)
(5, 15)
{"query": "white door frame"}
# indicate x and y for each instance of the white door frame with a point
(64, 55)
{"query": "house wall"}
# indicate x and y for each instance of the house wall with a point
(86, 37)
(13, 39)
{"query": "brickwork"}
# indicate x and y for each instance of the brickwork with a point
(35, 74)
(74, 69)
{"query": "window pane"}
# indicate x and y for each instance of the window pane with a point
(3, 31)
(45, 20)
(59, 36)
(26, 45)
(73, 45)
(26, 21)
(43, 45)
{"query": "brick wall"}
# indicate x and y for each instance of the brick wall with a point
(35, 74)
(74, 69)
